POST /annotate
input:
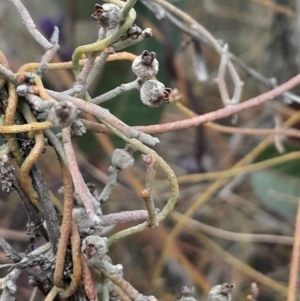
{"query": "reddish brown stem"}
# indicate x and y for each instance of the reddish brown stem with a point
(79, 184)
(77, 266)
(124, 285)
(87, 280)
(227, 111)
(65, 228)
(294, 274)
(149, 129)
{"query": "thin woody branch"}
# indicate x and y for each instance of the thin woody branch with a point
(229, 110)
(151, 165)
(105, 116)
(80, 187)
(30, 24)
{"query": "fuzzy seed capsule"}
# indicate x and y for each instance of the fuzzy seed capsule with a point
(187, 294)
(122, 159)
(220, 292)
(108, 15)
(153, 93)
(134, 32)
(94, 246)
(63, 114)
(145, 65)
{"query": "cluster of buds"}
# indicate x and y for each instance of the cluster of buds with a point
(122, 158)
(24, 82)
(153, 93)
(94, 247)
(63, 114)
(145, 66)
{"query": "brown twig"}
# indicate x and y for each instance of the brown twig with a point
(80, 187)
(21, 128)
(13, 234)
(87, 280)
(245, 237)
(151, 165)
(88, 65)
(221, 76)
(293, 289)
(77, 264)
(57, 145)
(227, 111)
(236, 263)
(150, 208)
(211, 190)
(248, 131)
(41, 90)
(53, 293)
(47, 57)
(124, 217)
(149, 129)
(233, 171)
(124, 285)
(121, 293)
(5, 73)
(276, 7)
(65, 228)
(106, 117)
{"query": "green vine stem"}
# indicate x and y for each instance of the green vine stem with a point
(167, 170)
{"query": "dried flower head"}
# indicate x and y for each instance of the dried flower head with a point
(77, 127)
(187, 294)
(27, 78)
(24, 82)
(94, 247)
(134, 32)
(148, 58)
(63, 114)
(145, 65)
(85, 225)
(220, 292)
(108, 15)
(122, 158)
(147, 32)
(153, 93)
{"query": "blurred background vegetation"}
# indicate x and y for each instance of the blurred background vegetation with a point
(262, 33)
